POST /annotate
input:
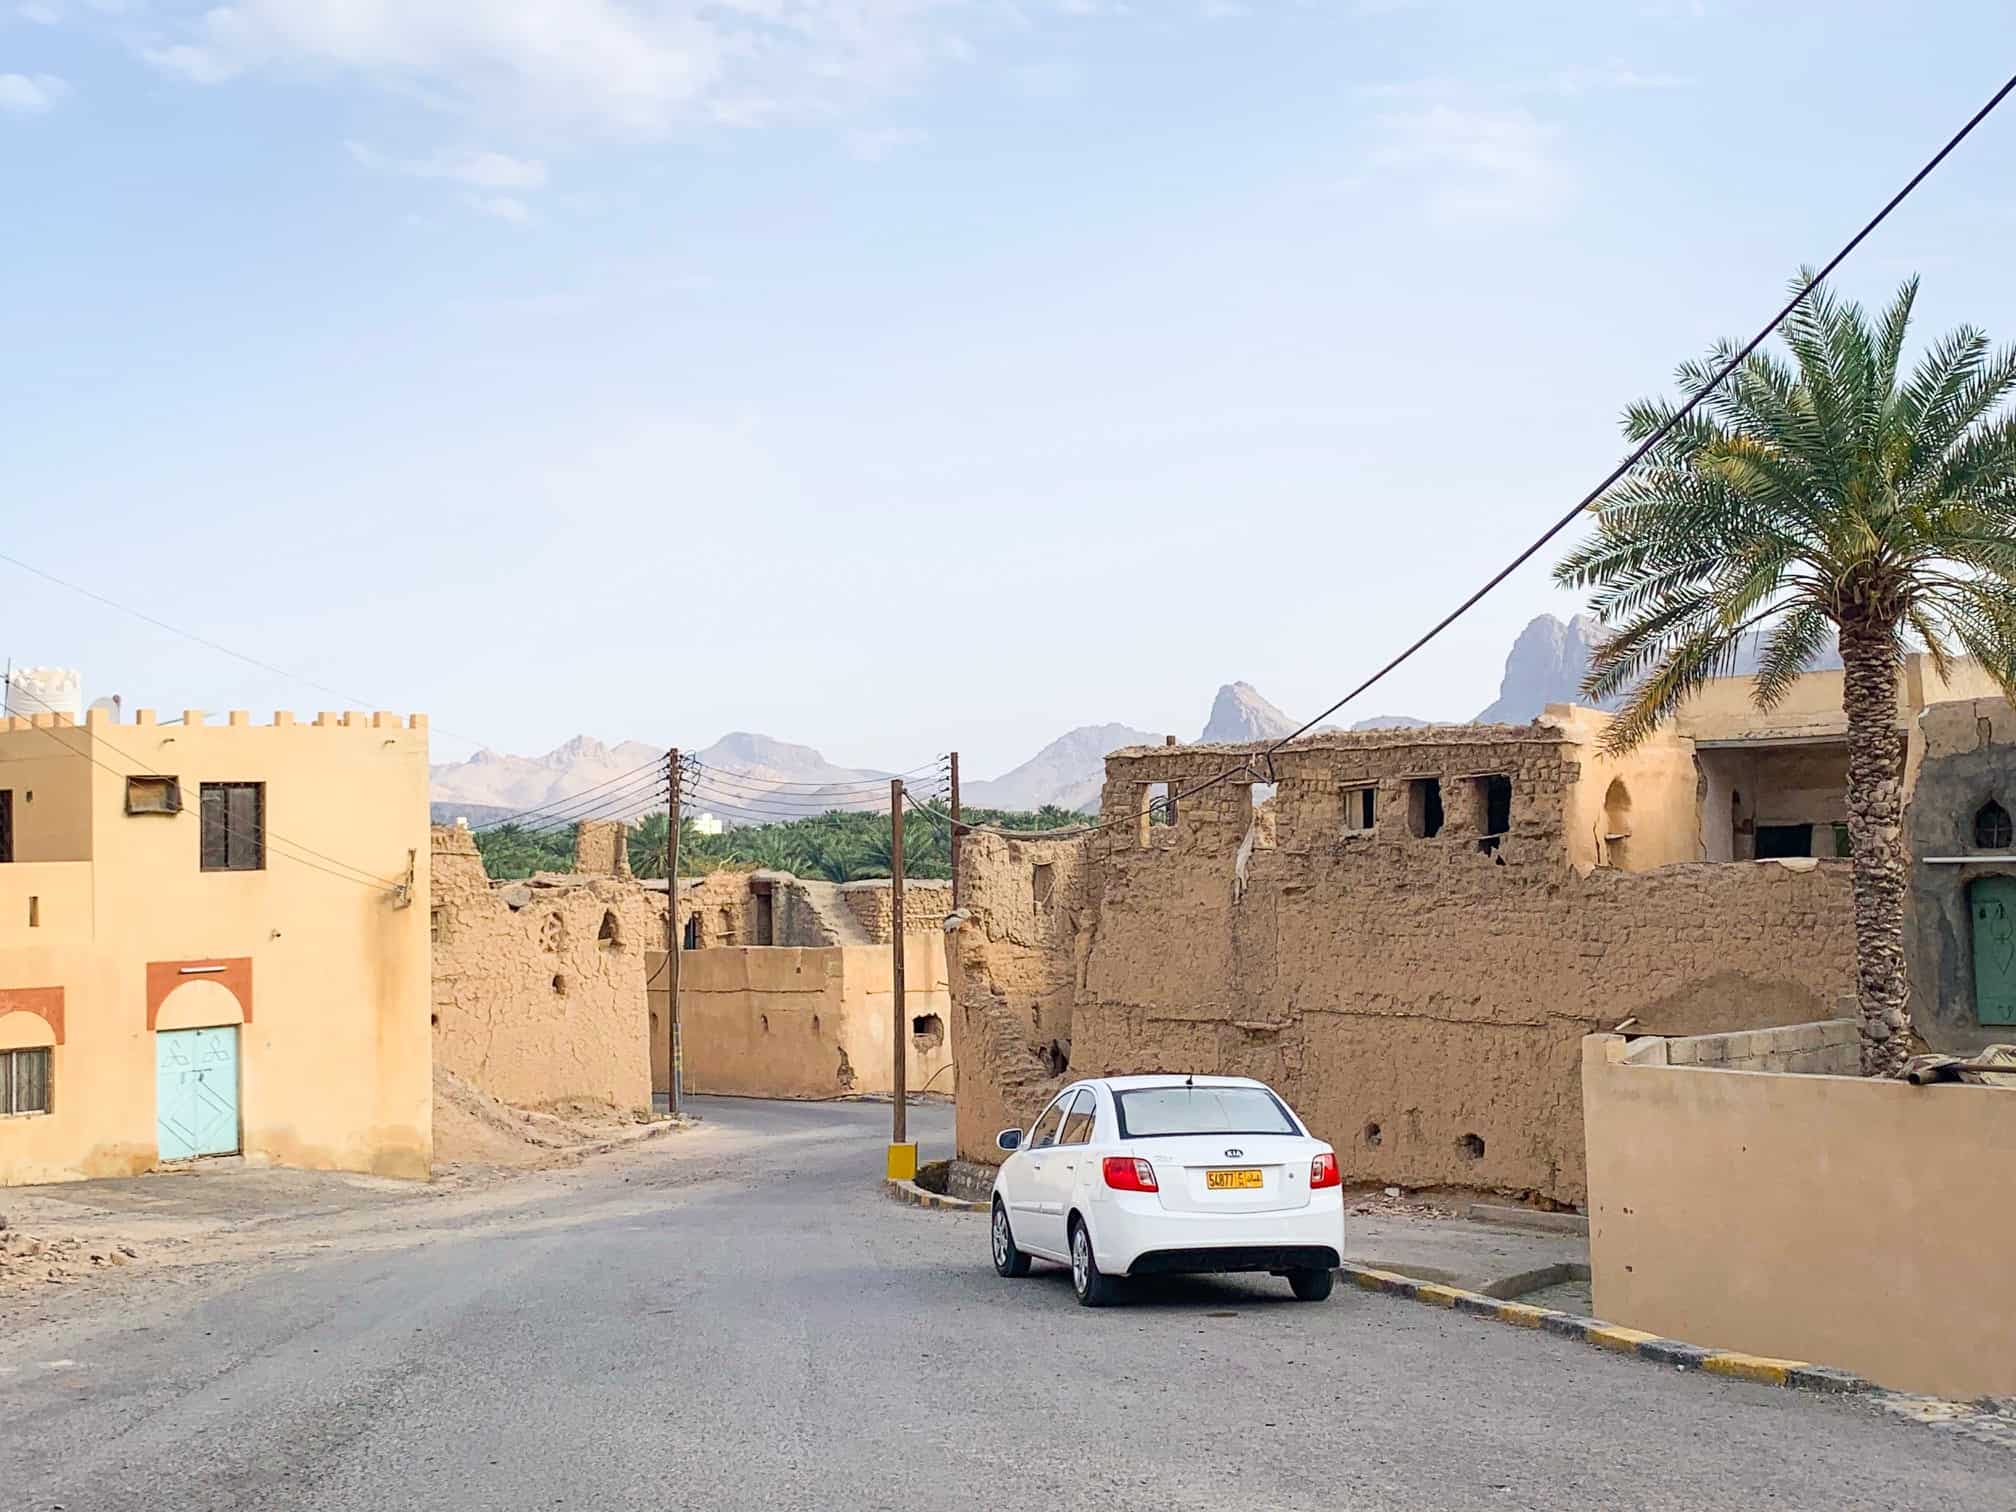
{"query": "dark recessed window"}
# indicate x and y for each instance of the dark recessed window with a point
(24, 1081)
(234, 826)
(1991, 827)
(6, 824)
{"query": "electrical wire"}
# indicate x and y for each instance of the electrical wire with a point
(1631, 460)
(697, 765)
(204, 641)
(639, 797)
(656, 767)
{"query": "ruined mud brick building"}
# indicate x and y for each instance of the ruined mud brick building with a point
(1417, 945)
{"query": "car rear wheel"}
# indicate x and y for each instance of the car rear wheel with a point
(1008, 1259)
(1312, 1285)
(1093, 1288)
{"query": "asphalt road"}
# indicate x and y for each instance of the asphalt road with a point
(737, 1318)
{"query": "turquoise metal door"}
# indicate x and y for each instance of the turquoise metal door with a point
(1994, 900)
(196, 1092)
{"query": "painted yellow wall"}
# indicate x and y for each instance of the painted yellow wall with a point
(1660, 782)
(1862, 1224)
(780, 1021)
(52, 791)
(335, 1063)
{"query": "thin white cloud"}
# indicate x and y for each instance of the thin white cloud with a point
(30, 94)
(627, 67)
(1476, 164)
(876, 143)
(479, 170)
(504, 207)
(1224, 10)
(1612, 76)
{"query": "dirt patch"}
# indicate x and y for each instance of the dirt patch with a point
(33, 1260)
(472, 1127)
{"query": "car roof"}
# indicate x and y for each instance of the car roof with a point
(1173, 1079)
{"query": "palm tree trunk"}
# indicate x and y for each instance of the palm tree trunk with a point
(1875, 827)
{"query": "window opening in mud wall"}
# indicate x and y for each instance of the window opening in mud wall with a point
(691, 939)
(1778, 842)
(1992, 828)
(1361, 809)
(1424, 807)
(1494, 810)
(1155, 808)
(927, 1033)
(611, 932)
(1616, 821)
(1043, 883)
(766, 917)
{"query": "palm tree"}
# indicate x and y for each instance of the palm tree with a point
(1820, 496)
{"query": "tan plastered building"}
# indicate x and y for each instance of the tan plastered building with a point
(1859, 1223)
(213, 940)
(787, 987)
(1412, 935)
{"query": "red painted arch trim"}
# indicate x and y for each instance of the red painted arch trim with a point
(232, 973)
(44, 1002)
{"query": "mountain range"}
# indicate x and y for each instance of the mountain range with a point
(745, 778)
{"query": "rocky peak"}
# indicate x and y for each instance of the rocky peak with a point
(1239, 713)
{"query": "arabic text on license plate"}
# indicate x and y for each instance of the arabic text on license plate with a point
(1230, 1181)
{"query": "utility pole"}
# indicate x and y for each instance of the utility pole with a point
(673, 939)
(900, 1126)
(955, 831)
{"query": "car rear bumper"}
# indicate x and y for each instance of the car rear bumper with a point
(1132, 1238)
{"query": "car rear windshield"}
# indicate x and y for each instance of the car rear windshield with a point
(1150, 1111)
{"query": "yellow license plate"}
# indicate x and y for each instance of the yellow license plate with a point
(1231, 1181)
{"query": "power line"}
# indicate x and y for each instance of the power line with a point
(882, 783)
(205, 641)
(1636, 455)
(554, 804)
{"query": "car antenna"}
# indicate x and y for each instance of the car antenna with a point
(1190, 1081)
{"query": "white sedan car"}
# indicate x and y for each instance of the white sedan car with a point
(1163, 1175)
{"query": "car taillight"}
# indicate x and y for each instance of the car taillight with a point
(1126, 1173)
(1323, 1172)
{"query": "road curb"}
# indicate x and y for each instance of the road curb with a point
(1796, 1375)
(916, 1196)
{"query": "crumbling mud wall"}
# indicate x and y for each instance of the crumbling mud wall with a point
(810, 1022)
(1014, 969)
(539, 985)
(1415, 972)
(925, 905)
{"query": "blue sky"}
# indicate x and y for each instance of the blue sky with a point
(895, 375)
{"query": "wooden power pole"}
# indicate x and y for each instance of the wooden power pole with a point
(955, 831)
(900, 1126)
(676, 1102)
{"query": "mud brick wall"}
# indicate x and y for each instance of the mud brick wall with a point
(1420, 998)
(925, 905)
(541, 1004)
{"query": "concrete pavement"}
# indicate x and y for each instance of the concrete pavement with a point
(738, 1318)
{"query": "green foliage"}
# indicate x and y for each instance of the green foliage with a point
(837, 847)
(510, 852)
(1820, 493)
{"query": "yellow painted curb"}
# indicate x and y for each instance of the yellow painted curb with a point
(1624, 1340)
(1745, 1367)
(1441, 1296)
(1521, 1314)
(1375, 1280)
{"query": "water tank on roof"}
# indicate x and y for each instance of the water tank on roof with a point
(45, 690)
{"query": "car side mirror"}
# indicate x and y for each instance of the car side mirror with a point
(1009, 1139)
